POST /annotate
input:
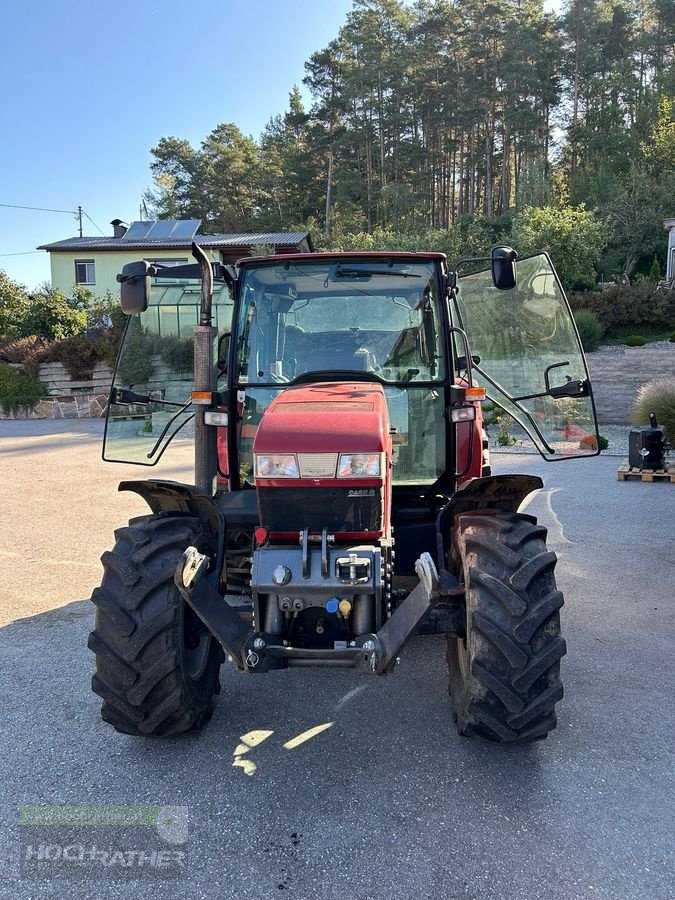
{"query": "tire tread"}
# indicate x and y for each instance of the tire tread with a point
(140, 673)
(507, 689)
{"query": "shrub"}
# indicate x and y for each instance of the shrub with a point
(635, 340)
(105, 313)
(80, 353)
(28, 351)
(574, 237)
(178, 354)
(19, 388)
(672, 338)
(655, 271)
(657, 396)
(590, 329)
(135, 365)
(79, 356)
(622, 305)
(51, 316)
(504, 425)
(13, 306)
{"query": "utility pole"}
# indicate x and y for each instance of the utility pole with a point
(79, 218)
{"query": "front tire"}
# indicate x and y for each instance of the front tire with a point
(156, 665)
(505, 675)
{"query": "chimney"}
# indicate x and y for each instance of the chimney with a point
(119, 228)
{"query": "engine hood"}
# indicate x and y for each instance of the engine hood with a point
(340, 417)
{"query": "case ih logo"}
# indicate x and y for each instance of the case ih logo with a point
(364, 492)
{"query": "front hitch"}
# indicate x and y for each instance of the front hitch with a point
(258, 652)
(215, 612)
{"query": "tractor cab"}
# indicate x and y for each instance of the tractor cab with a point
(334, 403)
(400, 320)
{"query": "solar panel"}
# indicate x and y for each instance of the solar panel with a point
(162, 228)
(159, 229)
(186, 228)
(137, 230)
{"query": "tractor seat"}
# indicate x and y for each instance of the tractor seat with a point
(337, 358)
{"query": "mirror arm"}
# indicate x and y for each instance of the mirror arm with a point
(124, 397)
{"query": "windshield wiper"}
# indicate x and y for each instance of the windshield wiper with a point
(367, 273)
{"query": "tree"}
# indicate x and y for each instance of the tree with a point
(573, 237)
(176, 174)
(229, 171)
(217, 183)
(13, 306)
(324, 78)
(446, 112)
(291, 179)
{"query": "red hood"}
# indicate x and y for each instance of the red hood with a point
(345, 417)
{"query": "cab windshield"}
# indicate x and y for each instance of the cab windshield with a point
(377, 315)
(367, 316)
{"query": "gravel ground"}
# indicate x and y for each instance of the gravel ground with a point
(619, 349)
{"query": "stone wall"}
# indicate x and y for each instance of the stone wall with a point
(618, 372)
(68, 398)
(59, 383)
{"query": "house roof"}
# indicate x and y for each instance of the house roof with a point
(215, 241)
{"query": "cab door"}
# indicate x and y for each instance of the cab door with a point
(531, 360)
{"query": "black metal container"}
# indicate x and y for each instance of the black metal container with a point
(646, 446)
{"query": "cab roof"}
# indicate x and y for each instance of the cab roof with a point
(343, 254)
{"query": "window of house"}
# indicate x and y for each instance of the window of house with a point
(85, 271)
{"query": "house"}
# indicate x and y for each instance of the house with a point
(94, 262)
(669, 225)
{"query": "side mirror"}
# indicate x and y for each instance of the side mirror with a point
(136, 281)
(223, 352)
(504, 268)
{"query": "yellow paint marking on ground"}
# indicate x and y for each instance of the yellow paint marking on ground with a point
(247, 765)
(248, 741)
(307, 735)
(252, 739)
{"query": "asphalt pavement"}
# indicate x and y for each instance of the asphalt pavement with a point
(319, 784)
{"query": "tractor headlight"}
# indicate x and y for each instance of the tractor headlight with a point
(360, 465)
(463, 413)
(276, 465)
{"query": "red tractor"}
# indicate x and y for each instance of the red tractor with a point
(343, 498)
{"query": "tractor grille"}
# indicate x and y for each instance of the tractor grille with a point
(337, 509)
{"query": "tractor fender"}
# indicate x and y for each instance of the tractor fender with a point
(502, 492)
(494, 492)
(173, 496)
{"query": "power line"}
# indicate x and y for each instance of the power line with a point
(78, 213)
(72, 212)
(24, 253)
(92, 221)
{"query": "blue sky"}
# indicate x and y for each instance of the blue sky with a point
(89, 87)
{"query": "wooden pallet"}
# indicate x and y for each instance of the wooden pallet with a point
(626, 472)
